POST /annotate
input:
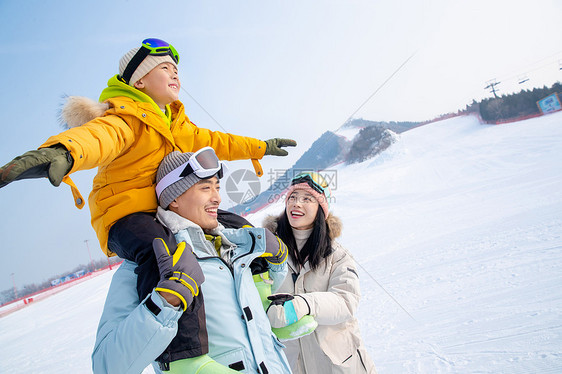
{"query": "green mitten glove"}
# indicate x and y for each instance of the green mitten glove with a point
(263, 284)
(180, 273)
(274, 146)
(52, 162)
(286, 309)
(290, 316)
(304, 326)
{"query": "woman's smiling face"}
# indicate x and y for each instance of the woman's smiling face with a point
(301, 208)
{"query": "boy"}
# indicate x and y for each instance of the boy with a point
(239, 333)
(137, 122)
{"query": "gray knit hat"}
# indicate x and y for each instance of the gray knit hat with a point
(170, 162)
(149, 63)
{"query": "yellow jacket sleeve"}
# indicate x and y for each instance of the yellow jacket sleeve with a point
(95, 143)
(227, 146)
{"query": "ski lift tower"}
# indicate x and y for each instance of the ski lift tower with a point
(491, 84)
(15, 290)
(89, 254)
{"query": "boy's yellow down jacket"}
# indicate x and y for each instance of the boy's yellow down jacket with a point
(127, 144)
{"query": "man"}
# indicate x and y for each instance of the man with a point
(131, 335)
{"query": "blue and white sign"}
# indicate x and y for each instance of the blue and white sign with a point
(549, 104)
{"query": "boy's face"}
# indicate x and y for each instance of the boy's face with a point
(199, 203)
(161, 84)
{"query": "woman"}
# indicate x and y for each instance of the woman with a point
(322, 281)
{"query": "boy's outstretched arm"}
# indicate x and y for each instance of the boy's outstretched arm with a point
(52, 162)
(232, 147)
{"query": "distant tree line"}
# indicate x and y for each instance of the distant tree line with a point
(29, 289)
(523, 103)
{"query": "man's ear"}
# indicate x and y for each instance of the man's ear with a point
(174, 204)
(139, 84)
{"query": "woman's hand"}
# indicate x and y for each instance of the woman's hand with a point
(286, 309)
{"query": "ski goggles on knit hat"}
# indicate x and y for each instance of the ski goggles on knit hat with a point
(202, 164)
(314, 180)
(314, 184)
(149, 47)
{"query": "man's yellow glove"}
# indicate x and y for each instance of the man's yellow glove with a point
(275, 250)
(180, 273)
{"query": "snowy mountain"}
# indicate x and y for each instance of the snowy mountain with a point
(457, 230)
(352, 127)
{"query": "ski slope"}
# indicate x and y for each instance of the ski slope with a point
(457, 229)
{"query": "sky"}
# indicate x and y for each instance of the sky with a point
(262, 69)
(459, 261)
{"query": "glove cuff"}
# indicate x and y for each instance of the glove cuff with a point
(299, 299)
(177, 289)
(187, 281)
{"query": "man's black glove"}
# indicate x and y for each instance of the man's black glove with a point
(274, 146)
(180, 273)
(275, 250)
(52, 162)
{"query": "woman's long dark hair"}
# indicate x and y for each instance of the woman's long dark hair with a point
(317, 247)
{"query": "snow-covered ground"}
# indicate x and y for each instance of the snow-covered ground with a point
(55, 334)
(457, 229)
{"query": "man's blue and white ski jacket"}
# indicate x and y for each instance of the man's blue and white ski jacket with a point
(130, 336)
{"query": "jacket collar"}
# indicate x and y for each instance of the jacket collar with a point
(116, 88)
(177, 223)
(78, 110)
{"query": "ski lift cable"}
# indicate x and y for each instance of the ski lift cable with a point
(373, 94)
(528, 66)
(520, 78)
(205, 110)
(526, 71)
(378, 89)
(209, 114)
(359, 108)
(385, 291)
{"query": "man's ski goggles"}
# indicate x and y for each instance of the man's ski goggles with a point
(204, 164)
(314, 180)
(151, 46)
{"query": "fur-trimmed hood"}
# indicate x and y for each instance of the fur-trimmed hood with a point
(334, 223)
(78, 110)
